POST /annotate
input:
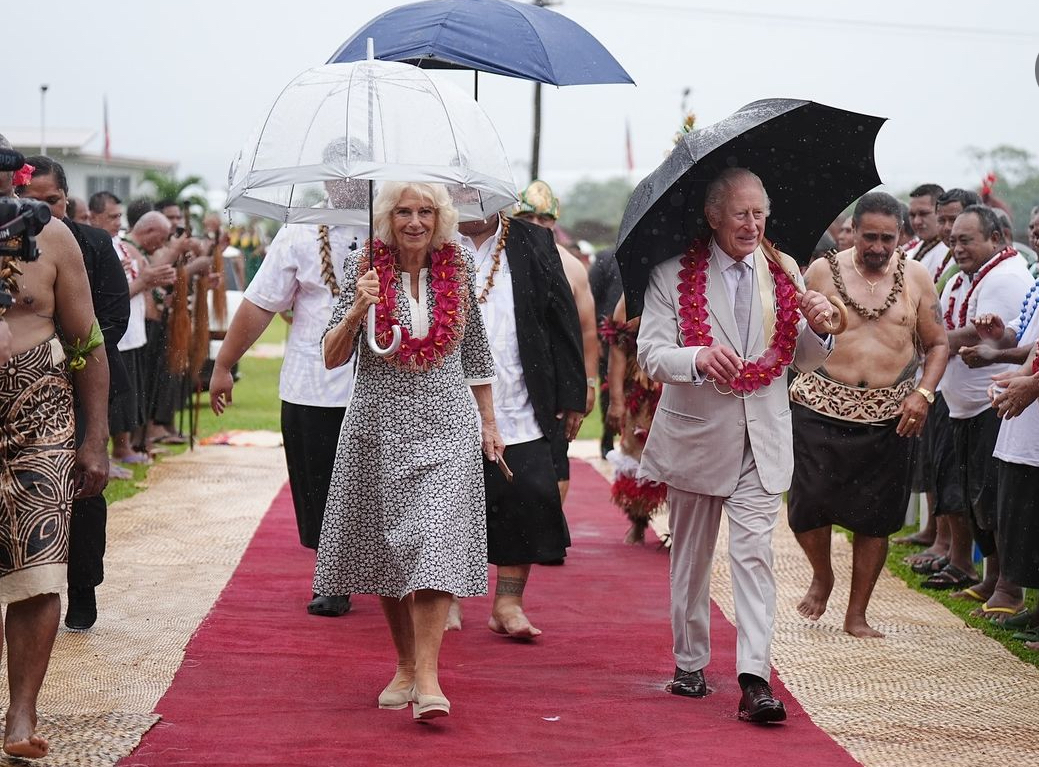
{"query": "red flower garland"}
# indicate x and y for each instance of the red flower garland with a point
(696, 330)
(448, 273)
(639, 498)
(1035, 361)
(1007, 252)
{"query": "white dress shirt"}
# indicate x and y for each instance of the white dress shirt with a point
(136, 334)
(731, 276)
(289, 277)
(1017, 441)
(513, 410)
(1000, 292)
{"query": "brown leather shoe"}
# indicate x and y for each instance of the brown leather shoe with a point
(691, 684)
(758, 704)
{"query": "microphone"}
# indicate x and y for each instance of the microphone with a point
(11, 160)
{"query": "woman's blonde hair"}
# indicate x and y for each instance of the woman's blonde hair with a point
(389, 197)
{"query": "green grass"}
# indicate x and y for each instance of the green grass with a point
(255, 406)
(959, 607)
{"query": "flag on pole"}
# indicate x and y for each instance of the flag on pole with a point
(108, 137)
(627, 147)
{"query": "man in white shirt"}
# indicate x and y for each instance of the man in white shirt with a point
(993, 280)
(301, 273)
(540, 395)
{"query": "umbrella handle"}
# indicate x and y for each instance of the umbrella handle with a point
(373, 344)
(841, 324)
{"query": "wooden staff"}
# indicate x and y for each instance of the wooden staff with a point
(220, 291)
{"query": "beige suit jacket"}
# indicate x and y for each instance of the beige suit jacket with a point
(698, 434)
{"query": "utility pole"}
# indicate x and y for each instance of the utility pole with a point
(43, 120)
(535, 153)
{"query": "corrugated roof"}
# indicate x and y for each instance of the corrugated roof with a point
(57, 138)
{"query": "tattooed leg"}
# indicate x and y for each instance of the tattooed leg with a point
(507, 616)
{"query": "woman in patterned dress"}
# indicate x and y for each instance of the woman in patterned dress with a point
(405, 517)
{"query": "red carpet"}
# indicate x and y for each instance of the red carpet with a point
(263, 683)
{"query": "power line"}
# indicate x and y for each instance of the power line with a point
(1030, 37)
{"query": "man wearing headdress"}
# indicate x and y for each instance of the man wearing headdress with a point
(539, 401)
(538, 205)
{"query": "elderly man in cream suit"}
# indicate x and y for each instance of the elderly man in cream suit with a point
(715, 448)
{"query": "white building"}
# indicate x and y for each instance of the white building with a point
(88, 173)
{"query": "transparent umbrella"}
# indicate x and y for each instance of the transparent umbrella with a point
(336, 130)
(338, 124)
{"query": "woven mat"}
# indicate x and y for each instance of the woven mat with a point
(171, 550)
(933, 691)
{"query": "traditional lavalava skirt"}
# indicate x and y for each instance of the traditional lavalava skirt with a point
(850, 466)
(37, 457)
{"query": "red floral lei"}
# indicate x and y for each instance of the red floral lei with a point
(1007, 252)
(696, 330)
(448, 273)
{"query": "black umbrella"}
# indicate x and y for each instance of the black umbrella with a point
(813, 159)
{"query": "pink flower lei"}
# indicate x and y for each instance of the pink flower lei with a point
(448, 273)
(696, 330)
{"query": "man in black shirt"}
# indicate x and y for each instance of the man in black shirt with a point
(111, 300)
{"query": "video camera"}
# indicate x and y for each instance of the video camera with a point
(20, 222)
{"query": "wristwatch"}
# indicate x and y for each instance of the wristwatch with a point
(927, 394)
(592, 382)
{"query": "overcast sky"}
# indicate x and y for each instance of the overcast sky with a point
(186, 81)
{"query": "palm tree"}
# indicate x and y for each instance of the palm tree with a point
(169, 187)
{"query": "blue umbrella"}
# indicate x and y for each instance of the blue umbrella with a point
(497, 36)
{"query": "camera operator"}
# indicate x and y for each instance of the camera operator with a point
(111, 300)
(36, 405)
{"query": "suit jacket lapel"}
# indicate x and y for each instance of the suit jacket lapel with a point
(723, 321)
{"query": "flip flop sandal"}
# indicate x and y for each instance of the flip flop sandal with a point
(932, 564)
(950, 577)
(995, 615)
(1023, 620)
(970, 595)
(1026, 636)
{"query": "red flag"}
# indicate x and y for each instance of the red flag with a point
(627, 146)
(108, 138)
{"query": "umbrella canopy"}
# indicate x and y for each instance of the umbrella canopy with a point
(337, 126)
(498, 36)
(813, 160)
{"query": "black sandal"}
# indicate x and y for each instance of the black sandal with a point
(929, 565)
(950, 577)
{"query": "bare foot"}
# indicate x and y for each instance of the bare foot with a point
(20, 738)
(814, 603)
(454, 615)
(512, 622)
(857, 627)
(1032, 646)
(927, 555)
(916, 539)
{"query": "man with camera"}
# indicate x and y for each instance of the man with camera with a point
(43, 470)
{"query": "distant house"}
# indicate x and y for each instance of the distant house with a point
(88, 173)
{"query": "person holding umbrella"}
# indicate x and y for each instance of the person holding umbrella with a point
(302, 273)
(405, 517)
(721, 324)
